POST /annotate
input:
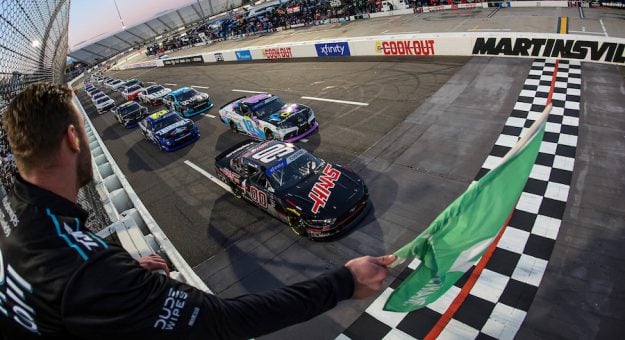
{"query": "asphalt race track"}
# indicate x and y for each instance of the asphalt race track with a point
(426, 129)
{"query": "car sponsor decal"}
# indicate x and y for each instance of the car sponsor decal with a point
(278, 53)
(285, 162)
(273, 152)
(243, 55)
(173, 126)
(321, 191)
(405, 47)
(552, 48)
(233, 176)
(338, 49)
(158, 114)
(257, 196)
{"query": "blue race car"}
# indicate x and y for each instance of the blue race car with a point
(188, 102)
(168, 130)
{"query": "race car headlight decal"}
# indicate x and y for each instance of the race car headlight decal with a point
(322, 223)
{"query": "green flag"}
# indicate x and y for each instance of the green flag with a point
(459, 236)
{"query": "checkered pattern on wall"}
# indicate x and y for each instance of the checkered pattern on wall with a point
(498, 303)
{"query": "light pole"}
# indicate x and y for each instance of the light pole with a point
(120, 16)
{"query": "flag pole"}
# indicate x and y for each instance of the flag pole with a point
(529, 134)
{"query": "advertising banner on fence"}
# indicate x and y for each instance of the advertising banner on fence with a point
(243, 55)
(580, 49)
(197, 59)
(336, 49)
(406, 47)
(278, 53)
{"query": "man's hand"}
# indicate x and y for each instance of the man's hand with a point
(369, 273)
(154, 262)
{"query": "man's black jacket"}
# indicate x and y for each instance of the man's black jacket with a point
(58, 280)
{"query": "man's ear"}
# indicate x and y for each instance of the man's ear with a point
(72, 138)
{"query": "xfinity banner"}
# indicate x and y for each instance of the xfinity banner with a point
(243, 55)
(197, 59)
(338, 49)
(590, 50)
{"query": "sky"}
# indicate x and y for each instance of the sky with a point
(91, 20)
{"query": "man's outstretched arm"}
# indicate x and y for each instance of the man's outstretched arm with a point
(114, 296)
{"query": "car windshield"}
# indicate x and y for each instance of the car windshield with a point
(132, 82)
(128, 109)
(300, 165)
(267, 107)
(117, 82)
(132, 88)
(154, 89)
(165, 122)
(98, 95)
(102, 100)
(186, 94)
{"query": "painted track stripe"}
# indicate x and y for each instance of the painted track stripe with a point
(170, 84)
(489, 29)
(208, 175)
(199, 87)
(210, 116)
(150, 82)
(603, 27)
(336, 101)
(246, 91)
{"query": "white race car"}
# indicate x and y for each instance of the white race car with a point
(104, 103)
(153, 95)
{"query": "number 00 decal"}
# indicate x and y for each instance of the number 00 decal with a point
(271, 153)
(259, 197)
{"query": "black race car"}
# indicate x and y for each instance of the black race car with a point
(315, 198)
(130, 113)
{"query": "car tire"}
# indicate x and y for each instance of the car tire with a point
(233, 127)
(295, 223)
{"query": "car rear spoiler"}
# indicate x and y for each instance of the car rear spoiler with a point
(234, 148)
(230, 102)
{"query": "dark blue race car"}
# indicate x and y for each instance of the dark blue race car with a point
(130, 114)
(168, 130)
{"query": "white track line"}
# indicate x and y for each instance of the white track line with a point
(150, 82)
(199, 87)
(389, 33)
(603, 27)
(490, 29)
(336, 101)
(210, 116)
(208, 175)
(170, 84)
(584, 32)
(246, 91)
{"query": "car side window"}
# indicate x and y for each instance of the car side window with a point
(246, 111)
(235, 164)
(262, 181)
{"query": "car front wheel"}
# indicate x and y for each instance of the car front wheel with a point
(296, 224)
(233, 127)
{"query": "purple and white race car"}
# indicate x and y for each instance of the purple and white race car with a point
(265, 116)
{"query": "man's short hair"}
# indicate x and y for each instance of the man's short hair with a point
(36, 120)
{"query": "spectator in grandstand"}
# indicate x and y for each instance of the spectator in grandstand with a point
(58, 280)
